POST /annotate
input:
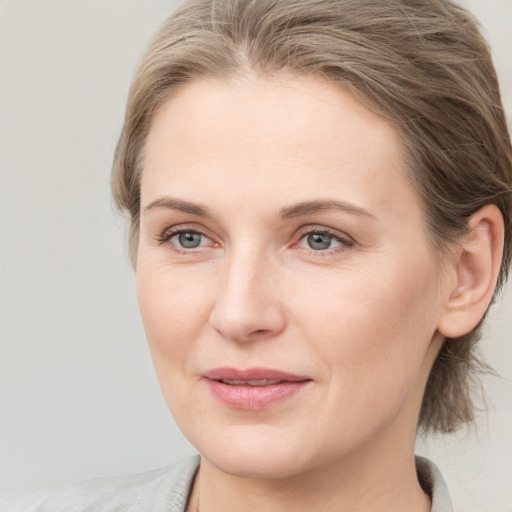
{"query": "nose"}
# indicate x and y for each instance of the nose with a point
(247, 305)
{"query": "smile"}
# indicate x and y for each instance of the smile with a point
(254, 389)
(259, 382)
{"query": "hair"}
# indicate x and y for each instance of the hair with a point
(422, 64)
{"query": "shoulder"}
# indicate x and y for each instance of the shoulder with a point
(160, 490)
(433, 483)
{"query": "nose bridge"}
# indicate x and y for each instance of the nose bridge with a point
(246, 305)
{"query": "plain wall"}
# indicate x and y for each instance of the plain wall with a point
(78, 396)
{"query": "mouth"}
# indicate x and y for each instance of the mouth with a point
(257, 382)
(254, 389)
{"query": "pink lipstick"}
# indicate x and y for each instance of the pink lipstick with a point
(254, 389)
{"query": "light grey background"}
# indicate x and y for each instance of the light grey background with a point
(78, 396)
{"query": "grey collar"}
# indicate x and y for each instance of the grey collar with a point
(433, 483)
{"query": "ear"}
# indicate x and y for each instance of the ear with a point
(476, 268)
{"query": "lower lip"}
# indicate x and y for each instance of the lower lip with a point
(254, 398)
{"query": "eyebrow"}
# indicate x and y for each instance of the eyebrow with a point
(296, 210)
(311, 207)
(177, 204)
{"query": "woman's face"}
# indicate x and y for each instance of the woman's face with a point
(286, 283)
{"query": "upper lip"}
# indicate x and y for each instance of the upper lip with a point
(252, 374)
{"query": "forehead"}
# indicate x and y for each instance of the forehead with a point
(300, 135)
(282, 107)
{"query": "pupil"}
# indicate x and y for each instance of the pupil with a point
(318, 241)
(189, 240)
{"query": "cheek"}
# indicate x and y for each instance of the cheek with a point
(373, 332)
(174, 308)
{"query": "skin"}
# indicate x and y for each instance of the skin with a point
(359, 318)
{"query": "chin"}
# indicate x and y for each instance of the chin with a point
(255, 465)
(254, 452)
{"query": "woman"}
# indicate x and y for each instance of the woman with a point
(320, 204)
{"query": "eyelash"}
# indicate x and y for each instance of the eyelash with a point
(345, 242)
(169, 233)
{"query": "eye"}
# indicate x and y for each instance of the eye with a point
(188, 239)
(183, 239)
(319, 241)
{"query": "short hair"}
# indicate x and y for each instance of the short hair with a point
(421, 64)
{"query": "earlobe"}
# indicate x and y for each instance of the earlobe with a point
(477, 267)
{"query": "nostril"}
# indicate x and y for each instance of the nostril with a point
(259, 332)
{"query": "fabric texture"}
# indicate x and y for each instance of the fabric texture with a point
(161, 490)
(165, 490)
(433, 483)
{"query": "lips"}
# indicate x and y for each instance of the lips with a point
(257, 382)
(254, 389)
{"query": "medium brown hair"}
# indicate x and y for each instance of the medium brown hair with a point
(422, 64)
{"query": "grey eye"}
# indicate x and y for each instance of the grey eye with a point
(189, 239)
(319, 241)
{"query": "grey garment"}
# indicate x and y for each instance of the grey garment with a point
(161, 490)
(433, 483)
(165, 490)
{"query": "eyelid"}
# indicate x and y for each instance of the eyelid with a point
(345, 240)
(170, 231)
(318, 228)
